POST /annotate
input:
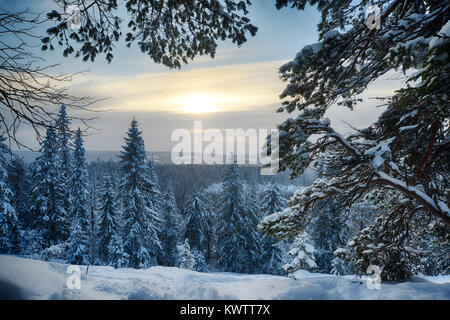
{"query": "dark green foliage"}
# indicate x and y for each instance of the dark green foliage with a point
(170, 32)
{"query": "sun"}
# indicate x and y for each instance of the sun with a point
(198, 103)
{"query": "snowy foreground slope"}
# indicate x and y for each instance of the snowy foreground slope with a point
(34, 279)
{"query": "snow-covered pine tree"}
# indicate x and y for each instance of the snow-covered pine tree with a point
(142, 243)
(117, 256)
(171, 229)
(302, 254)
(405, 150)
(272, 251)
(200, 262)
(96, 181)
(238, 246)
(79, 243)
(63, 139)
(47, 205)
(9, 224)
(93, 232)
(20, 182)
(328, 228)
(110, 220)
(155, 191)
(155, 201)
(64, 145)
(252, 197)
(273, 201)
(328, 231)
(340, 267)
(198, 231)
(186, 259)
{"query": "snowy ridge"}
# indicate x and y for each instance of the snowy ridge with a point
(33, 279)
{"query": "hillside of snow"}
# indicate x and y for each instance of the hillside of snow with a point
(22, 278)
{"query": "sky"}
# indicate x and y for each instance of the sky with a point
(239, 88)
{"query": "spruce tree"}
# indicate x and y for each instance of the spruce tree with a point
(110, 223)
(329, 231)
(93, 232)
(302, 254)
(273, 201)
(63, 139)
(47, 208)
(95, 182)
(155, 199)
(117, 256)
(9, 224)
(198, 231)
(142, 243)
(64, 145)
(153, 189)
(79, 243)
(186, 259)
(238, 247)
(171, 229)
(272, 251)
(20, 182)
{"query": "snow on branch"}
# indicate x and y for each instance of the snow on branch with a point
(438, 207)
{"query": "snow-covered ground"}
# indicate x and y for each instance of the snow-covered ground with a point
(34, 279)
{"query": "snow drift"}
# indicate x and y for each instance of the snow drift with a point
(22, 278)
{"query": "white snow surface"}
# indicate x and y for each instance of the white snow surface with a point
(34, 279)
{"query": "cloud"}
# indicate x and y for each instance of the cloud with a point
(232, 87)
(244, 96)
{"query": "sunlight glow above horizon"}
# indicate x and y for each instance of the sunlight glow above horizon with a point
(199, 103)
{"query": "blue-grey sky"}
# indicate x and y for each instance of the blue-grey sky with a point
(237, 89)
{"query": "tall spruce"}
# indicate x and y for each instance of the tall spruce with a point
(47, 208)
(198, 231)
(93, 232)
(142, 243)
(20, 183)
(272, 251)
(117, 256)
(171, 229)
(64, 143)
(109, 219)
(9, 224)
(155, 201)
(238, 247)
(79, 241)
